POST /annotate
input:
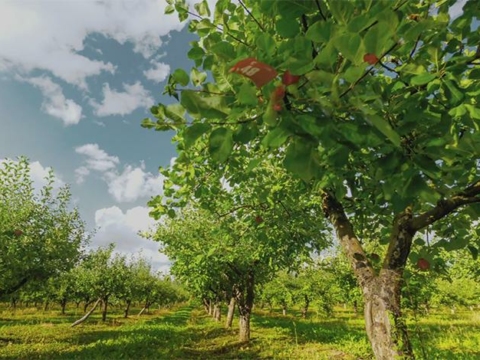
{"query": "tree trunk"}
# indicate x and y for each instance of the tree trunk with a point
(210, 308)
(205, 305)
(45, 307)
(63, 304)
(104, 309)
(284, 309)
(386, 329)
(127, 308)
(230, 314)
(85, 317)
(245, 302)
(217, 312)
(385, 326)
(355, 307)
(305, 306)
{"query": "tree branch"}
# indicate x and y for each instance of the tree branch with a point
(333, 210)
(251, 15)
(446, 207)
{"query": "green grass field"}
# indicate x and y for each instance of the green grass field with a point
(188, 333)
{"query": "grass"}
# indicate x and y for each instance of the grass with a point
(188, 333)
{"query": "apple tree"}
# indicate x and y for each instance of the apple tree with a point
(40, 235)
(373, 104)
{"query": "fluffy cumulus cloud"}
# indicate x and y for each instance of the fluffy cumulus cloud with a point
(158, 72)
(48, 35)
(95, 159)
(125, 185)
(121, 228)
(122, 103)
(133, 183)
(55, 103)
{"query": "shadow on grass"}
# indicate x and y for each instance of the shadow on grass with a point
(167, 337)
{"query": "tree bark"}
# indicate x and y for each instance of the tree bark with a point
(385, 326)
(63, 304)
(245, 303)
(230, 314)
(127, 308)
(306, 303)
(85, 317)
(104, 309)
(284, 309)
(217, 312)
(210, 308)
(45, 307)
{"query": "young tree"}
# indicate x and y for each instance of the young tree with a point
(40, 235)
(377, 111)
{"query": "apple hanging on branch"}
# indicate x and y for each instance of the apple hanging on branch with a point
(423, 264)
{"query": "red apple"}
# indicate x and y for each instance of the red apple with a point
(258, 219)
(277, 107)
(18, 232)
(372, 59)
(423, 264)
(289, 79)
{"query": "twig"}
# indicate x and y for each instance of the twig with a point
(251, 15)
(320, 10)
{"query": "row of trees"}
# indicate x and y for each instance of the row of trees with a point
(43, 257)
(300, 118)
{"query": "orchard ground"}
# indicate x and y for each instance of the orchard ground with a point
(187, 332)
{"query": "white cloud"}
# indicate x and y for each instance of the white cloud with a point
(48, 35)
(81, 173)
(133, 183)
(55, 103)
(122, 228)
(97, 159)
(158, 73)
(123, 103)
(128, 185)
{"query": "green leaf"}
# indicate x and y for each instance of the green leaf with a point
(351, 46)
(301, 159)
(385, 128)
(220, 144)
(320, 32)
(453, 93)
(473, 251)
(287, 27)
(181, 77)
(275, 138)
(192, 133)
(198, 77)
(169, 9)
(224, 50)
(422, 79)
(210, 107)
(247, 94)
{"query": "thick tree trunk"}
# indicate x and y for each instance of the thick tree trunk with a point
(127, 308)
(104, 309)
(385, 326)
(386, 329)
(230, 313)
(85, 317)
(45, 307)
(245, 303)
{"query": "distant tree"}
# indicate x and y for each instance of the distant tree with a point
(40, 235)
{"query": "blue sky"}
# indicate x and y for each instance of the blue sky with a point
(76, 79)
